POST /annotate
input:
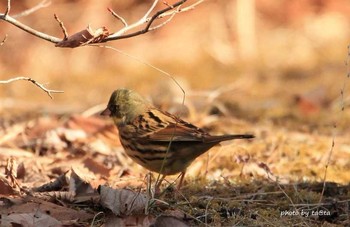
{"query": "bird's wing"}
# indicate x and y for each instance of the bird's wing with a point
(161, 126)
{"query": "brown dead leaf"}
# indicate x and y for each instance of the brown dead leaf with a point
(51, 141)
(84, 37)
(21, 170)
(80, 179)
(6, 188)
(30, 205)
(96, 167)
(55, 185)
(90, 125)
(123, 202)
(11, 174)
(35, 219)
(37, 128)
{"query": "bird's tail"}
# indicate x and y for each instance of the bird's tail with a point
(218, 139)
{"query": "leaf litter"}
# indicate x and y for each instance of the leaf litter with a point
(71, 170)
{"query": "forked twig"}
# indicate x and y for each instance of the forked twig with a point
(42, 87)
(143, 20)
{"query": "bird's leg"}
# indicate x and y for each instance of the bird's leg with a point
(182, 176)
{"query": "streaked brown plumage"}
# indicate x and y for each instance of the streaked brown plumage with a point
(146, 133)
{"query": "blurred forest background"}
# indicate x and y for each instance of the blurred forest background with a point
(277, 69)
(270, 52)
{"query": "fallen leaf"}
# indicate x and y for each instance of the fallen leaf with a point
(123, 201)
(36, 219)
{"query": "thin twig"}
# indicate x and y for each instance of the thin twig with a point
(42, 87)
(326, 170)
(42, 4)
(182, 10)
(165, 22)
(166, 3)
(8, 8)
(118, 17)
(156, 15)
(64, 30)
(206, 211)
(149, 65)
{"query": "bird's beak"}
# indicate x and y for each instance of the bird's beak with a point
(106, 112)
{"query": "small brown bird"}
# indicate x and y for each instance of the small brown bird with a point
(157, 140)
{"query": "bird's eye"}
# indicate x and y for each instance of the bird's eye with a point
(114, 108)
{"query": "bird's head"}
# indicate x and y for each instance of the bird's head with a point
(124, 106)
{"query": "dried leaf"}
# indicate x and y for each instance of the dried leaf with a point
(52, 141)
(84, 37)
(36, 219)
(21, 171)
(71, 135)
(5, 187)
(96, 167)
(123, 201)
(29, 205)
(90, 124)
(55, 185)
(80, 181)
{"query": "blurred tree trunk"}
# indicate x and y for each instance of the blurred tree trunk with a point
(246, 32)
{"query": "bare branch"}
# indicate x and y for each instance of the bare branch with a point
(64, 30)
(28, 29)
(42, 87)
(42, 4)
(101, 34)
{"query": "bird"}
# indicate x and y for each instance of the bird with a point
(157, 140)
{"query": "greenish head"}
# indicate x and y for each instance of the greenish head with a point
(125, 105)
